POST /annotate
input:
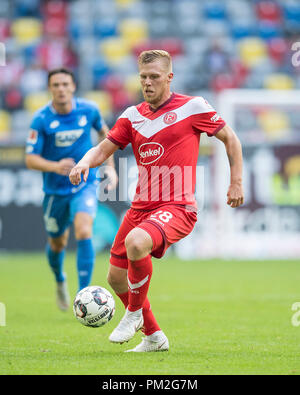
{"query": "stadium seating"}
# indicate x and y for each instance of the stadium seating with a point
(268, 11)
(114, 50)
(214, 10)
(102, 99)
(105, 29)
(278, 81)
(34, 101)
(20, 122)
(241, 30)
(252, 51)
(23, 8)
(13, 99)
(4, 9)
(278, 49)
(269, 30)
(133, 31)
(55, 9)
(291, 11)
(125, 3)
(275, 124)
(102, 39)
(132, 86)
(4, 29)
(100, 71)
(26, 30)
(5, 124)
(55, 27)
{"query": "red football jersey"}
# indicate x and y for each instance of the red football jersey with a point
(165, 143)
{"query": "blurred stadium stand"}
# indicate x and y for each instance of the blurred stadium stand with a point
(215, 45)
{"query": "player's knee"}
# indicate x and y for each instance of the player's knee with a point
(83, 232)
(58, 245)
(137, 246)
(83, 224)
(133, 245)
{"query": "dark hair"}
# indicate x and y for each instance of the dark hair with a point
(61, 70)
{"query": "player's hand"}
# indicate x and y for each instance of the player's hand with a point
(64, 166)
(235, 195)
(112, 176)
(75, 175)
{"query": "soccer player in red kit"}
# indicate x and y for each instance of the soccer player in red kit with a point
(164, 132)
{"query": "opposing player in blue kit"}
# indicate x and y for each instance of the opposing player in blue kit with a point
(60, 135)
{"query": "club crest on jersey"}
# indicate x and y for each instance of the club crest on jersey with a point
(67, 137)
(83, 121)
(170, 117)
(54, 124)
(150, 152)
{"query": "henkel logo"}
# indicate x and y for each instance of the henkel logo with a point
(150, 152)
(170, 117)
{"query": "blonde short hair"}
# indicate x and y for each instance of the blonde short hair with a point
(154, 54)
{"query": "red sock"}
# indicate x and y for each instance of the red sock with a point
(124, 298)
(139, 276)
(150, 323)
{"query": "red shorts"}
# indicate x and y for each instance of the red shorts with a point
(166, 225)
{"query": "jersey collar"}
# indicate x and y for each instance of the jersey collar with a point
(52, 109)
(162, 105)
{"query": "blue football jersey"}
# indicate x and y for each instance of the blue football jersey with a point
(56, 136)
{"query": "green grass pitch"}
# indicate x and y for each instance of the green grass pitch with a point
(221, 317)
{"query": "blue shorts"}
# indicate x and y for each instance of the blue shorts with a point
(59, 211)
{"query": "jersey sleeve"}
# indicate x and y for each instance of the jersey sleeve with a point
(121, 133)
(206, 119)
(35, 139)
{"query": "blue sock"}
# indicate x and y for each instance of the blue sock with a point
(85, 262)
(56, 262)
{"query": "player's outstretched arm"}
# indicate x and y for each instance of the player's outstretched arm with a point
(109, 169)
(235, 194)
(93, 158)
(37, 162)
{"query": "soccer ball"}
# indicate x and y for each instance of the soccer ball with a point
(94, 306)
